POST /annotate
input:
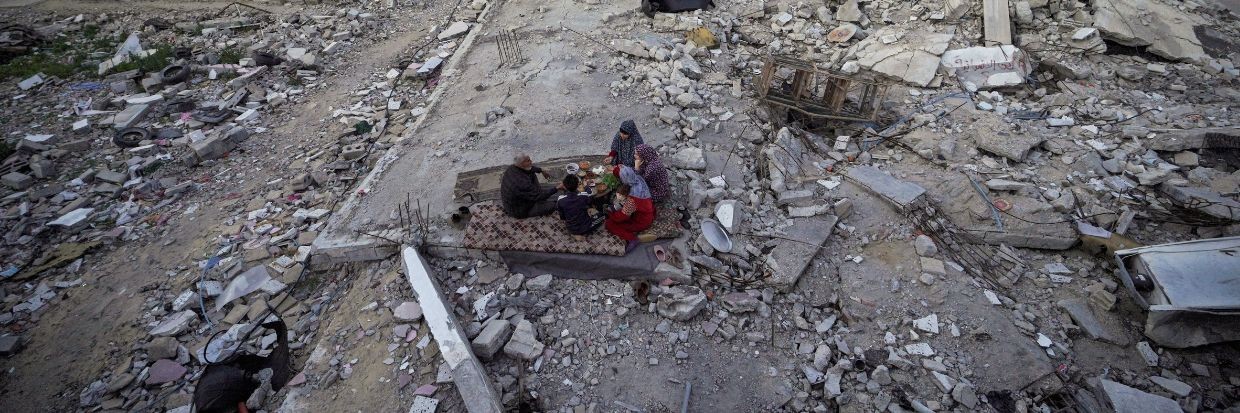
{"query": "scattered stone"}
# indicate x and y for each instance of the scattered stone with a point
(524, 343)
(164, 371)
(408, 311)
(681, 303)
(539, 283)
(494, 335)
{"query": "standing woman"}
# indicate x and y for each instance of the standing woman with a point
(623, 144)
(634, 210)
(651, 169)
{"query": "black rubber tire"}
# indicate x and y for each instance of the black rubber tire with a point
(174, 74)
(130, 137)
(265, 59)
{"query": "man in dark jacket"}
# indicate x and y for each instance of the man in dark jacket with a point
(521, 194)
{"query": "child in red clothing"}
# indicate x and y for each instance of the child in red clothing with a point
(635, 209)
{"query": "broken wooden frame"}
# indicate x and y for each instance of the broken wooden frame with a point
(795, 84)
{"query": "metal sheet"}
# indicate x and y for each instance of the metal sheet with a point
(1202, 274)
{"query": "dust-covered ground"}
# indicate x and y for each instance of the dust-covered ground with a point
(304, 122)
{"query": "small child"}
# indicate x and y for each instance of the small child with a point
(574, 209)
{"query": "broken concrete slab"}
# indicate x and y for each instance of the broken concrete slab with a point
(788, 160)
(1185, 139)
(471, 378)
(10, 345)
(901, 193)
(1180, 388)
(629, 47)
(1211, 202)
(1060, 236)
(456, 29)
(1084, 318)
(17, 180)
(175, 324)
(914, 57)
(130, 116)
(955, 9)
(213, 147)
(793, 255)
(1012, 146)
(988, 67)
(1128, 399)
(1163, 28)
(997, 24)
(850, 11)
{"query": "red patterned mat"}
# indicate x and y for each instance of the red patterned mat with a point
(489, 229)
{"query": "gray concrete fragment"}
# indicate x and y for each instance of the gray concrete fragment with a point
(1186, 139)
(1084, 318)
(524, 343)
(791, 256)
(493, 337)
(17, 180)
(1012, 146)
(1167, 31)
(681, 303)
(902, 194)
(130, 116)
(913, 57)
(1128, 399)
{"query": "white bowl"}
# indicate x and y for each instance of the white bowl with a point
(716, 236)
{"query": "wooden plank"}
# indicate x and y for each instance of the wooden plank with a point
(998, 25)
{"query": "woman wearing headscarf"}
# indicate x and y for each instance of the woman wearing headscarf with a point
(633, 211)
(650, 167)
(623, 144)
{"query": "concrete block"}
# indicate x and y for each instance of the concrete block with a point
(792, 256)
(213, 147)
(17, 180)
(524, 343)
(130, 116)
(10, 345)
(493, 337)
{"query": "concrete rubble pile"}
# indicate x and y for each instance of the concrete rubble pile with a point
(956, 253)
(111, 160)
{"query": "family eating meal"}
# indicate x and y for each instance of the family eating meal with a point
(619, 196)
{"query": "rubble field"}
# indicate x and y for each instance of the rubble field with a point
(924, 202)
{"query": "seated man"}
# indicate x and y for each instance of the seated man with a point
(520, 193)
(575, 209)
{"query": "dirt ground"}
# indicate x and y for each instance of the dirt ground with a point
(604, 350)
(94, 329)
